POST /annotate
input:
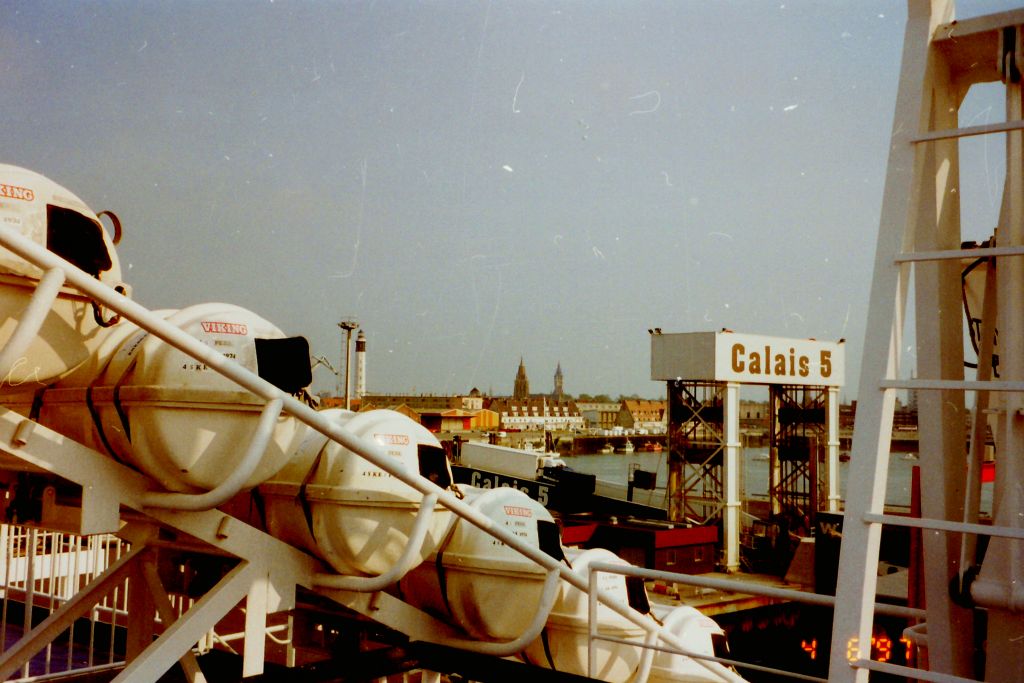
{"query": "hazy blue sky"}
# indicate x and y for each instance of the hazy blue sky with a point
(477, 182)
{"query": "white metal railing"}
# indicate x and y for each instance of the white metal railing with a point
(675, 646)
(59, 270)
(41, 571)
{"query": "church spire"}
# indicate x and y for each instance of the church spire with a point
(559, 393)
(521, 389)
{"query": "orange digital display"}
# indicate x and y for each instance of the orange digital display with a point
(881, 648)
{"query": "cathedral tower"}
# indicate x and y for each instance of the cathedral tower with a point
(559, 393)
(521, 388)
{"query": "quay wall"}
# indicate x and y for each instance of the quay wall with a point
(571, 443)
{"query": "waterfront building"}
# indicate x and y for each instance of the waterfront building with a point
(485, 420)
(472, 401)
(402, 408)
(474, 411)
(451, 420)
(754, 415)
(459, 420)
(600, 415)
(643, 414)
(524, 411)
(327, 401)
(537, 413)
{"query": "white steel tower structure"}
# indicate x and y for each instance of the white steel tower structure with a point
(922, 242)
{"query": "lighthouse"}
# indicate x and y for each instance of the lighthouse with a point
(360, 364)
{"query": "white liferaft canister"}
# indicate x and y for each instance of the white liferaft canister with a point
(698, 633)
(173, 417)
(562, 645)
(48, 214)
(344, 509)
(478, 583)
(64, 406)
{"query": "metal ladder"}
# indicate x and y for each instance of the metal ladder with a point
(919, 243)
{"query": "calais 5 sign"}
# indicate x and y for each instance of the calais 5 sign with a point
(747, 358)
(771, 360)
(758, 363)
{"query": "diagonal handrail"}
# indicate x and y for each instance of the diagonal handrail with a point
(62, 618)
(365, 448)
(32, 318)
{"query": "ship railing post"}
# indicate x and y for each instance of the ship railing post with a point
(58, 621)
(732, 477)
(832, 453)
(643, 672)
(591, 621)
(255, 626)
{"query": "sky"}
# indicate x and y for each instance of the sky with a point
(479, 182)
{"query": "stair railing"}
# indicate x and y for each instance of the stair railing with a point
(367, 449)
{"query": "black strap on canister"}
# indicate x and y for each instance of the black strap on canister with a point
(547, 648)
(98, 423)
(121, 413)
(442, 577)
(95, 413)
(37, 403)
(442, 581)
(261, 506)
(307, 511)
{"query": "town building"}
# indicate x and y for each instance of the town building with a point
(437, 412)
(524, 411)
(599, 415)
(537, 413)
(472, 401)
(458, 420)
(643, 415)
(754, 415)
